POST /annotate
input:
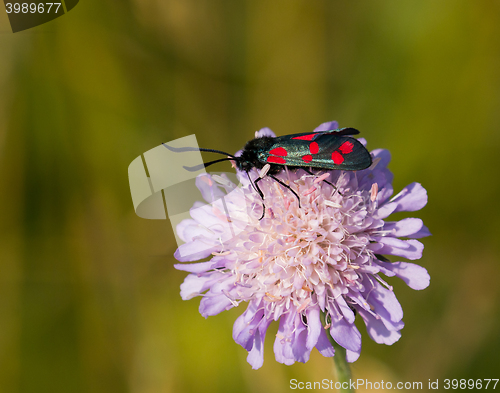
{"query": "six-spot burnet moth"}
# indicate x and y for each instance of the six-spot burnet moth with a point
(333, 149)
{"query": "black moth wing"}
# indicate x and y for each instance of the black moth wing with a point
(340, 132)
(330, 146)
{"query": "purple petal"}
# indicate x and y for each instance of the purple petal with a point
(412, 197)
(245, 326)
(377, 330)
(194, 285)
(384, 156)
(208, 188)
(249, 331)
(266, 131)
(344, 308)
(384, 194)
(404, 228)
(314, 326)
(383, 179)
(216, 262)
(415, 276)
(196, 250)
(344, 333)
(386, 209)
(362, 141)
(324, 346)
(204, 215)
(328, 126)
(182, 226)
(384, 302)
(213, 305)
(299, 339)
(359, 300)
(290, 344)
(422, 233)
(256, 355)
(383, 270)
(352, 356)
(282, 345)
(200, 267)
(188, 229)
(317, 335)
(210, 216)
(411, 249)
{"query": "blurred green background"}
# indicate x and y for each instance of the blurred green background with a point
(89, 299)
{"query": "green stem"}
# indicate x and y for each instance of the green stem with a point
(342, 368)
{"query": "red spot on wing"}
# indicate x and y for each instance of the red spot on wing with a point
(308, 158)
(346, 147)
(313, 148)
(279, 151)
(337, 158)
(306, 137)
(276, 160)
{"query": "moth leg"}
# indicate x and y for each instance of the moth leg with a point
(286, 186)
(327, 182)
(259, 191)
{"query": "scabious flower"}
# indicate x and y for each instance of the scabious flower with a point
(324, 256)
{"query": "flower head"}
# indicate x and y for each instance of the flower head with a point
(324, 255)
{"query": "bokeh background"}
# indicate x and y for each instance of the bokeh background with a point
(89, 298)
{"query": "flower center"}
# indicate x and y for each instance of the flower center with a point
(306, 250)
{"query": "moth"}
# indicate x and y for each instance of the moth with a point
(333, 149)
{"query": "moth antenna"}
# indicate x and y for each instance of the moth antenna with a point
(217, 151)
(204, 165)
(185, 149)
